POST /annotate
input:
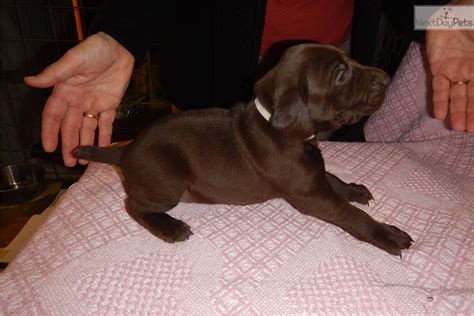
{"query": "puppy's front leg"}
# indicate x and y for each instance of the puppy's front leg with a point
(331, 208)
(351, 192)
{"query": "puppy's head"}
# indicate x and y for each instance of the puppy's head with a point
(317, 88)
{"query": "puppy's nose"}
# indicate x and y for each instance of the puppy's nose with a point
(380, 77)
(385, 79)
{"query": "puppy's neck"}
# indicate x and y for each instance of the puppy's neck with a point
(267, 115)
(262, 110)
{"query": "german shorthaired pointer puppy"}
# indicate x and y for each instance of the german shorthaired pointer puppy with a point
(259, 151)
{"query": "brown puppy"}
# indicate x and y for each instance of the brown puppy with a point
(259, 151)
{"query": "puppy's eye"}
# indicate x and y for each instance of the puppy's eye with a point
(341, 76)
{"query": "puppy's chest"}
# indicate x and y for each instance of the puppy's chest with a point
(286, 164)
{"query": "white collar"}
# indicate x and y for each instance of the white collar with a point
(262, 110)
(266, 115)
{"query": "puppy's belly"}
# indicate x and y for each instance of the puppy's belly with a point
(188, 198)
(193, 197)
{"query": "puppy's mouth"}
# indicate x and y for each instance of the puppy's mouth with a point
(324, 126)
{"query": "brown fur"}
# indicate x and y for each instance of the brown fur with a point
(236, 157)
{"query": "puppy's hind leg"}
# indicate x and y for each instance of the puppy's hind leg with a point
(152, 216)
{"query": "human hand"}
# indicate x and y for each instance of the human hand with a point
(89, 83)
(451, 58)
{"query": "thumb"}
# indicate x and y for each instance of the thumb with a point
(66, 67)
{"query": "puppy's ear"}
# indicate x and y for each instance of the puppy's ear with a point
(290, 115)
(287, 104)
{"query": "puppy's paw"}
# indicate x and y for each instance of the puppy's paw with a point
(390, 239)
(178, 231)
(168, 228)
(175, 231)
(358, 193)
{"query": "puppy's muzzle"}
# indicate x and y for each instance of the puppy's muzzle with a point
(378, 83)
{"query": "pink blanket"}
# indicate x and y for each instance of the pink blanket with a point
(91, 258)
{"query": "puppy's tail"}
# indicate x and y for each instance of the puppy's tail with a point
(110, 155)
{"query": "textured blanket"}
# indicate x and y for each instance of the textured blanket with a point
(90, 257)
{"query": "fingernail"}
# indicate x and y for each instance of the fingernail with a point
(83, 162)
(70, 162)
(48, 148)
(458, 128)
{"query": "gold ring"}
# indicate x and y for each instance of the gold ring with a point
(91, 115)
(459, 82)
